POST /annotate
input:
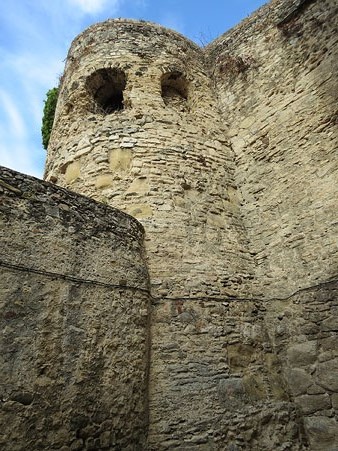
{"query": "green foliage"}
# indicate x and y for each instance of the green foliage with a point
(48, 115)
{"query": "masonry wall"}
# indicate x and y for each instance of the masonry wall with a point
(163, 158)
(233, 179)
(167, 162)
(218, 382)
(246, 374)
(303, 331)
(275, 75)
(74, 307)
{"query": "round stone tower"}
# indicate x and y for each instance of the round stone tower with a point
(137, 126)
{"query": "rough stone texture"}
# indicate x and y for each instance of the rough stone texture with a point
(217, 370)
(228, 157)
(253, 374)
(309, 356)
(170, 167)
(276, 79)
(74, 321)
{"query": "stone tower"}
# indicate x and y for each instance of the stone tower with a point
(137, 126)
(228, 157)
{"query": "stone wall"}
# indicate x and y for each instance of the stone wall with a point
(276, 80)
(243, 374)
(74, 306)
(228, 158)
(162, 157)
(304, 332)
(218, 383)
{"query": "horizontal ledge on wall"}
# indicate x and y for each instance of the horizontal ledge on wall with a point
(70, 278)
(229, 299)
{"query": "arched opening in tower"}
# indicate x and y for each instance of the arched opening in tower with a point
(174, 88)
(106, 87)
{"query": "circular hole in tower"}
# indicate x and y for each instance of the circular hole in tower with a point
(174, 88)
(106, 87)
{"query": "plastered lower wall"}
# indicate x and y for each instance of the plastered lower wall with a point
(74, 309)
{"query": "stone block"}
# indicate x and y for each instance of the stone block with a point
(83, 143)
(298, 380)
(72, 172)
(139, 186)
(302, 354)
(240, 356)
(254, 387)
(334, 398)
(120, 159)
(102, 181)
(322, 433)
(277, 387)
(313, 403)
(140, 210)
(330, 324)
(232, 393)
(327, 374)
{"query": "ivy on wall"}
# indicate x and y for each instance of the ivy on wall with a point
(48, 115)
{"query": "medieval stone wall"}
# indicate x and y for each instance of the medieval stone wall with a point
(227, 156)
(276, 79)
(74, 321)
(165, 160)
(275, 75)
(246, 375)
(303, 332)
(162, 157)
(216, 380)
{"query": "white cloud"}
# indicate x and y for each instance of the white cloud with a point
(95, 6)
(15, 121)
(16, 150)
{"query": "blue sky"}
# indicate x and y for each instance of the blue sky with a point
(34, 39)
